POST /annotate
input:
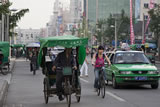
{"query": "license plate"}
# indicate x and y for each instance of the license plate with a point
(140, 78)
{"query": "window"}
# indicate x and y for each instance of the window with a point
(155, 5)
(146, 5)
(145, 17)
(31, 35)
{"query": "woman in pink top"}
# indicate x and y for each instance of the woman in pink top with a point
(98, 62)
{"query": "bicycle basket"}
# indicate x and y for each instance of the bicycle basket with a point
(67, 71)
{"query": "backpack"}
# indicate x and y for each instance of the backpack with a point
(97, 56)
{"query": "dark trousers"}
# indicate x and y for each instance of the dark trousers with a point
(59, 80)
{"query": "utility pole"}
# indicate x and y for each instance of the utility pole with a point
(96, 15)
(115, 33)
(143, 28)
(97, 11)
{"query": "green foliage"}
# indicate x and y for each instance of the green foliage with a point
(106, 28)
(4, 8)
(155, 21)
(13, 18)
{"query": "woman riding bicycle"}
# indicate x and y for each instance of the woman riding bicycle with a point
(98, 62)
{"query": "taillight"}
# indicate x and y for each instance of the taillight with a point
(0, 62)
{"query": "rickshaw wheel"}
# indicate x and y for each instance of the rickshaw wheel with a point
(68, 96)
(34, 72)
(8, 68)
(78, 96)
(46, 89)
(78, 93)
(2, 72)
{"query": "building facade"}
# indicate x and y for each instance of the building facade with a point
(144, 8)
(106, 7)
(25, 36)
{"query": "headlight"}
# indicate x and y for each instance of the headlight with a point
(153, 72)
(125, 72)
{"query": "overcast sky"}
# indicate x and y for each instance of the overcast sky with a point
(40, 12)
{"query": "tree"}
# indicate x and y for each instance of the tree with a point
(123, 23)
(155, 24)
(100, 29)
(155, 21)
(13, 18)
(4, 8)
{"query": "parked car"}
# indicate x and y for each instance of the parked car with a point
(131, 68)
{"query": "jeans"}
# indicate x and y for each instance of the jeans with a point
(96, 72)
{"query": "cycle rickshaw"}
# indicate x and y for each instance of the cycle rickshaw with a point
(18, 50)
(4, 57)
(70, 88)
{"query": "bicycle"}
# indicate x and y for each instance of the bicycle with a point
(101, 83)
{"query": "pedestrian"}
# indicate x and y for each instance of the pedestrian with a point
(84, 68)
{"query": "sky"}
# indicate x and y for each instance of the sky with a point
(39, 14)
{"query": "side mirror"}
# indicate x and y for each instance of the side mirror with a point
(152, 61)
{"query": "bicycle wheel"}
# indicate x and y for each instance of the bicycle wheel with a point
(103, 87)
(99, 88)
(46, 86)
(68, 96)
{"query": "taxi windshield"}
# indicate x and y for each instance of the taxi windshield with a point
(131, 58)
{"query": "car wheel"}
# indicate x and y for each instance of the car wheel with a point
(114, 83)
(155, 86)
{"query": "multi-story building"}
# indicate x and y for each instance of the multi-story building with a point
(50, 26)
(25, 36)
(106, 7)
(145, 6)
(75, 10)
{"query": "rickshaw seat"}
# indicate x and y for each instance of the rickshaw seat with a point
(49, 68)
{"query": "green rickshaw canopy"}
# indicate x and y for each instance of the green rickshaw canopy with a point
(67, 41)
(18, 45)
(4, 48)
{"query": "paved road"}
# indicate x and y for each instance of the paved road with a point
(26, 90)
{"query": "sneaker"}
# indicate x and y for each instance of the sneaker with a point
(61, 98)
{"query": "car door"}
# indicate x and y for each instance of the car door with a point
(109, 68)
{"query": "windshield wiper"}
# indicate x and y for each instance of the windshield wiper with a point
(139, 62)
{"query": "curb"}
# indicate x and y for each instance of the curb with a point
(5, 86)
(3, 92)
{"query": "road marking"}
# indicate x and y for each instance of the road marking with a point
(84, 80)
(116, 97)
(107, 92)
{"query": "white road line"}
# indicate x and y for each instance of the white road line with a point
(116, 97)
(84, 80)
(107, 92)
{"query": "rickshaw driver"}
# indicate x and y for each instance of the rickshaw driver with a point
(64, 59)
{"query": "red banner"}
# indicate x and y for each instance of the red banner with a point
(132, 38)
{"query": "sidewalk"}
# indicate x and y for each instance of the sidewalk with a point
(5, 81)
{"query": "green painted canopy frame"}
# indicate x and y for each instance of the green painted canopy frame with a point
(67, 41)
(4, 48)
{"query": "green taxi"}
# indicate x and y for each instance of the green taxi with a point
(131, 68)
